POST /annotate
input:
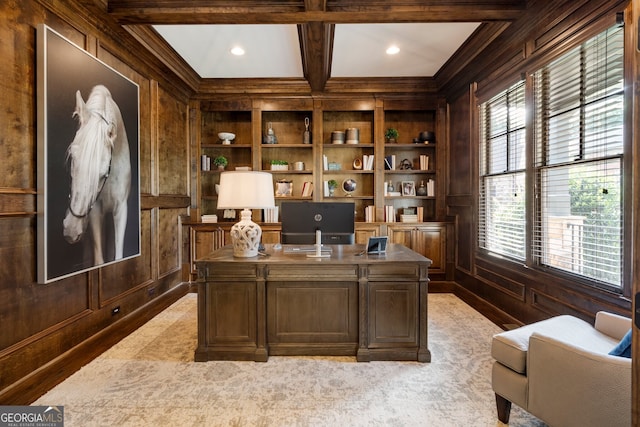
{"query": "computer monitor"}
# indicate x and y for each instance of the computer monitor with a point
(301, 220)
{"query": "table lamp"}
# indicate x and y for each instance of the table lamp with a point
(245, 190)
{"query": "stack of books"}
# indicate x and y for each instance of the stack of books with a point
(307, 189)
(270, 214)
(424, 162)
(370, 214)
(390, 162)
(389, 213)
(367, 162)
(408, 218)
(209, 218)
(431, 188)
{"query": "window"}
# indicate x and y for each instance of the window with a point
(576, 224)
(502, 174)
(579, 101)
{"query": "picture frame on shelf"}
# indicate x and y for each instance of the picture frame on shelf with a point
(408, 188)
(284, 188)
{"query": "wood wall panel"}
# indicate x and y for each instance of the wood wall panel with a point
(460, 150)
(173, 145)
(20, 297)
(16, 115)
(169, 241)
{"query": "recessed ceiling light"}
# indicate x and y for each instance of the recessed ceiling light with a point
(392, 50)
(237, 51)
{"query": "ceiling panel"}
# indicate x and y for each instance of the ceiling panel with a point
(273, 50)
(359, 49)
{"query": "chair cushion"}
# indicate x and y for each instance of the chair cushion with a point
(510, 347)
(623, 349)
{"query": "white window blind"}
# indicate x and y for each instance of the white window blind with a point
(579, 104)
(501, 225)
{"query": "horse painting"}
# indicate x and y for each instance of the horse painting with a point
(100, 170)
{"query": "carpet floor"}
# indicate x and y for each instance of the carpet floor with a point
(150, 379)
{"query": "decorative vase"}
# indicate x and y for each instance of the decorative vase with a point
(422, 190)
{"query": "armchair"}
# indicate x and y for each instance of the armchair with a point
(560, 371)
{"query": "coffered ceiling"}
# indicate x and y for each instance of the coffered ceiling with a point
(313, 40)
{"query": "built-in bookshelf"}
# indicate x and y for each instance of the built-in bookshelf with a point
(387, 181)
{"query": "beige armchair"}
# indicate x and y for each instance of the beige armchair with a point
(559, 370)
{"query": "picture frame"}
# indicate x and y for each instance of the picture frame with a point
(408, 188)
(86, 217)
(284, 188)
(377, 245)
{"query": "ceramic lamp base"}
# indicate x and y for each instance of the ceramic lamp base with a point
(245, 236)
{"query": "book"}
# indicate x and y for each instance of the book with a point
(307, 189)
(270, 214)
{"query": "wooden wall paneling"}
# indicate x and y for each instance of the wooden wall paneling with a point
(459, 189)
(195, 140)
(17, 90)
(460, 147)
(168, 241)
(173, 145)
(20, 297)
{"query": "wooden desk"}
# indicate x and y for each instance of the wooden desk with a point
(370, 306)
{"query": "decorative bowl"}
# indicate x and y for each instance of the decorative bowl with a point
(226, 137)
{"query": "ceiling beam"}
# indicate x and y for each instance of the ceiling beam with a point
(128, 12)
(316, 44)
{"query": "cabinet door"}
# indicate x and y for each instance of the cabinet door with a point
(428, 240)
(270, 236)
(393, 314)
(205, 242)
(232, 319)
(363, 232)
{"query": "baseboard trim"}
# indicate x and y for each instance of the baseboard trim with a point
(488, 310)
(41, 380)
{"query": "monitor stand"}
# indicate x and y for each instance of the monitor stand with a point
(318, 253)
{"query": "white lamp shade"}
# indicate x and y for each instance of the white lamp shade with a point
(246, 190)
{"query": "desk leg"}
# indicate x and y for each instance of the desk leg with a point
(424, 355)
(363, 354)
(262, 354)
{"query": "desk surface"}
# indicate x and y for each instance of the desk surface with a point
(340, 254)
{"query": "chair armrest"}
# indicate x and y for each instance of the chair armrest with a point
(611, 324)
(571, 386)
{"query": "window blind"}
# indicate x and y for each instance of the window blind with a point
(579, 104)
(502, 195)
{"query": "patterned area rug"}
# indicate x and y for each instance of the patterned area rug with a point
(150, 379)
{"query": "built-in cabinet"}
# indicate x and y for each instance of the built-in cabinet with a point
(382, 174)
(398, 182)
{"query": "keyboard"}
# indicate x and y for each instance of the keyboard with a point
(304, 249)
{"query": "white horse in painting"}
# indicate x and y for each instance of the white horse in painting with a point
(100, 169)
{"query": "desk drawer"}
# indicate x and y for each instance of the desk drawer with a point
(322, 272)
(228, 272)
(378, 272)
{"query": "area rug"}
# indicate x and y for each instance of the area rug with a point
(150, 379)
